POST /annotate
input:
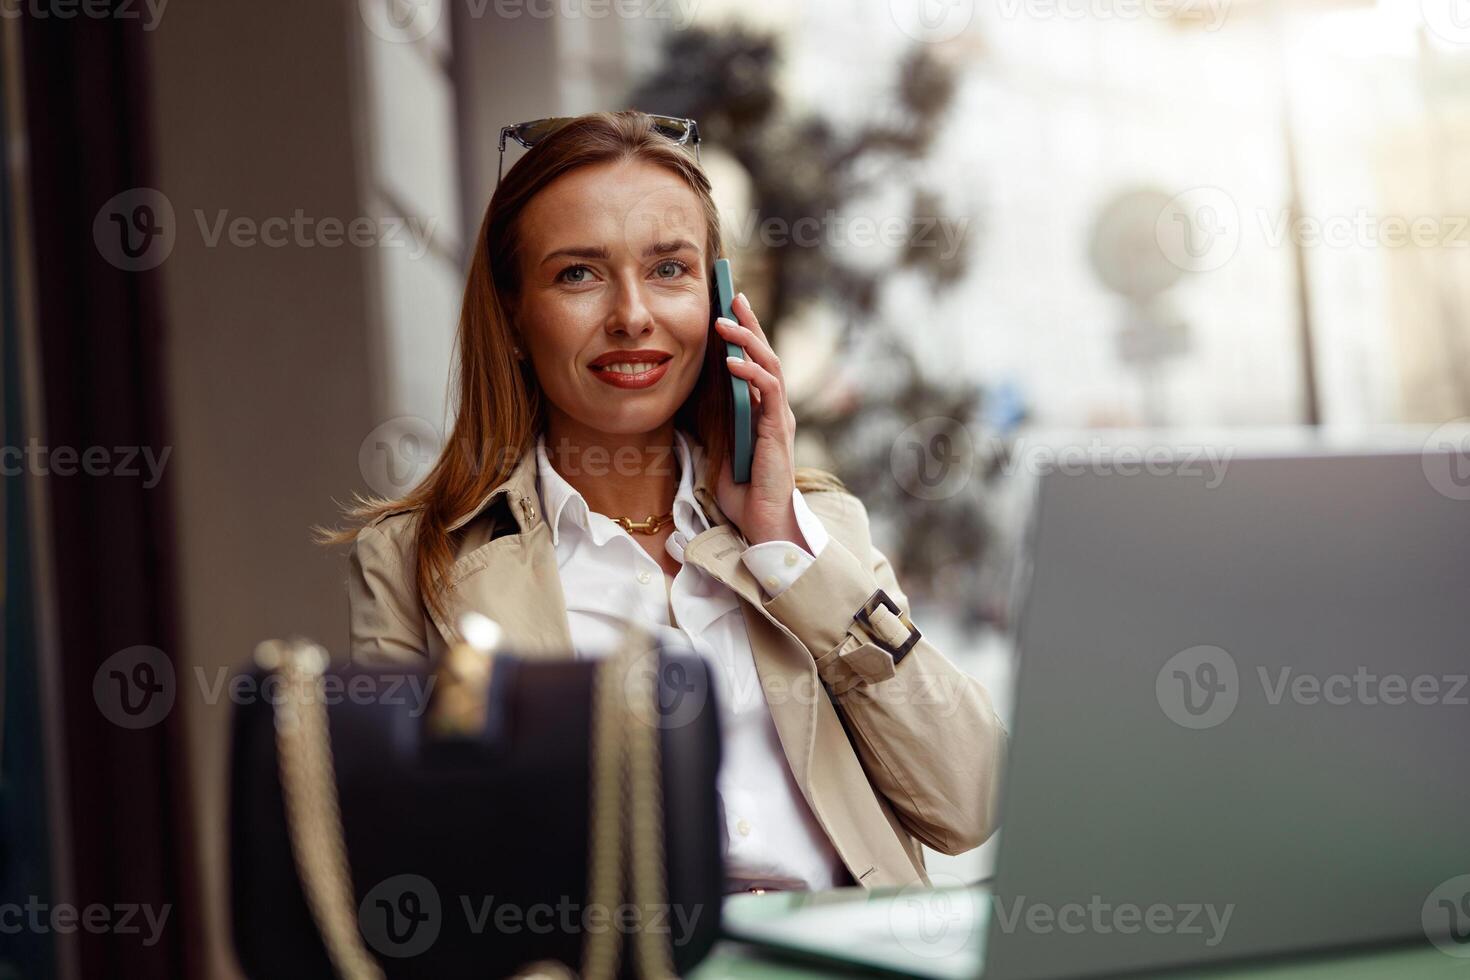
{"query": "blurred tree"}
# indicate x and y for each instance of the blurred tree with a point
(802, 166)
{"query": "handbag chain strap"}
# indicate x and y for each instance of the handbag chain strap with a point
(626, 709)
(313, 815)
(626, 789)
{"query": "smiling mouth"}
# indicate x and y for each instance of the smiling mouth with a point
(631, 368)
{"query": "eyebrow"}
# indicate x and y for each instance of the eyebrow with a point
(598, 252)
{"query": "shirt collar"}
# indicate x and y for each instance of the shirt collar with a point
(560, 501)
(519, 488)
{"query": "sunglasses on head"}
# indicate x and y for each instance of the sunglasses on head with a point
(528, 134)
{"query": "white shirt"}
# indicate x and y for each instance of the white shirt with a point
(774, 840)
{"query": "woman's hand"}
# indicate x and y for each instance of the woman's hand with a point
(762, 508)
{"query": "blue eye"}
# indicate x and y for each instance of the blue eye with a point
(680, 266)
(561, 276)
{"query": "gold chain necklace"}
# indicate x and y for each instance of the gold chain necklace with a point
(654, 523)
(650, 526)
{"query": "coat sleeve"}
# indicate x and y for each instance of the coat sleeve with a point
(385, 624)
(924, 729)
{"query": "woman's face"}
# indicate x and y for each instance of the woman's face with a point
(613, 263)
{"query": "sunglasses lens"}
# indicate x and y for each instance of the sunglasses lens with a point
(675, 129)
(531, 133)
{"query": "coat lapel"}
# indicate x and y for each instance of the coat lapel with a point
(782, 666)
(512, 578)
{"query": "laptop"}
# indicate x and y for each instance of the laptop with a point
(1241, 730)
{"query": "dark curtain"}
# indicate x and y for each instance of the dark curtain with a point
(101, 332)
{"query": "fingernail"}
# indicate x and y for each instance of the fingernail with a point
(742, 298)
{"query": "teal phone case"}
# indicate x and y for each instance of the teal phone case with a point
(742, 448)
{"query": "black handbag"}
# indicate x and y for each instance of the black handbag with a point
(494, 816)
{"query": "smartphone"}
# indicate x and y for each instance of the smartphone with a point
(742, 444)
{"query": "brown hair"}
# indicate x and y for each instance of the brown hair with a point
(500, 407)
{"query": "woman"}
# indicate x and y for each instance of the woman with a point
(587, 479)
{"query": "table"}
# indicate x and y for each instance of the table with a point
(737, 961)
(732, 959)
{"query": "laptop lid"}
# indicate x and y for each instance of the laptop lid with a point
(1242, 721)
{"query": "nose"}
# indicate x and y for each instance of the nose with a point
(629, 315)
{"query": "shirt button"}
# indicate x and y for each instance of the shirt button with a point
(743, 827)
(772, 582)
(644, 577)
(791, 558)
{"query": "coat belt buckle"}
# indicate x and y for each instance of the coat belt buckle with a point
(879, 597)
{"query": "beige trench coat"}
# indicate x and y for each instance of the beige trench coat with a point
(893, 757)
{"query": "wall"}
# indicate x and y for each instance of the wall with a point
(270, 349)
